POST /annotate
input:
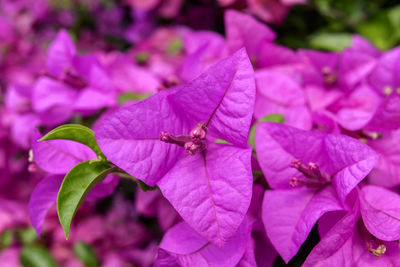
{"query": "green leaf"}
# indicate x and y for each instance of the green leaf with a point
(279, 118)
(86, 254)
(380, 30)
(175, 46)
(330, 41)
(142, 57)
(122, 98)
(27, 236)
(144, 186)
(35, 256)
(76, 185)
(7, 238)
(394, 18)
(77, 133)
(221, 141)
(275, 117)
(394, 15)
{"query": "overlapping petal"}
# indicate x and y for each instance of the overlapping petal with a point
(210, 199)
(289, 216)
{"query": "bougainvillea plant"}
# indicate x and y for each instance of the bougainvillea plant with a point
(185, 133)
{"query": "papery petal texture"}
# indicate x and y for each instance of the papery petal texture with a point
(335, 248)
(182, 239)
(351, 159)
(278, 93)
(130, 137)
(210, 199)
(380, 210)
(183, 246)
(289, 216)
(59, 156)
(222, 97)
(345, 159)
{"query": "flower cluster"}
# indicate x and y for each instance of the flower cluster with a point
(171, 146)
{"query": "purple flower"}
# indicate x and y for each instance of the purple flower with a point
(244, 30)
(278, 93)
(360, 44)
(153, 204)
(356, 110)
(264, 252)
(129, 77)
(387, 115)
(203, 49)
(322, 168)
(387, 170)
(22, 120)
(365, 240)
(57, 157)
(163, 50)
(42, 198)
(72, 83)
(328, 70)
(384, 78)
(183, 246)
(169, 140)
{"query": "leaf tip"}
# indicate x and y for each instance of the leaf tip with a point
(66, 232)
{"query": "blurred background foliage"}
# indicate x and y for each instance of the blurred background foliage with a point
(329, 24)
(319, 24)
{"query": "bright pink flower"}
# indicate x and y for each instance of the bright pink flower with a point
(169, 140)
(322, 168)
(364, 240)
(183, 246)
